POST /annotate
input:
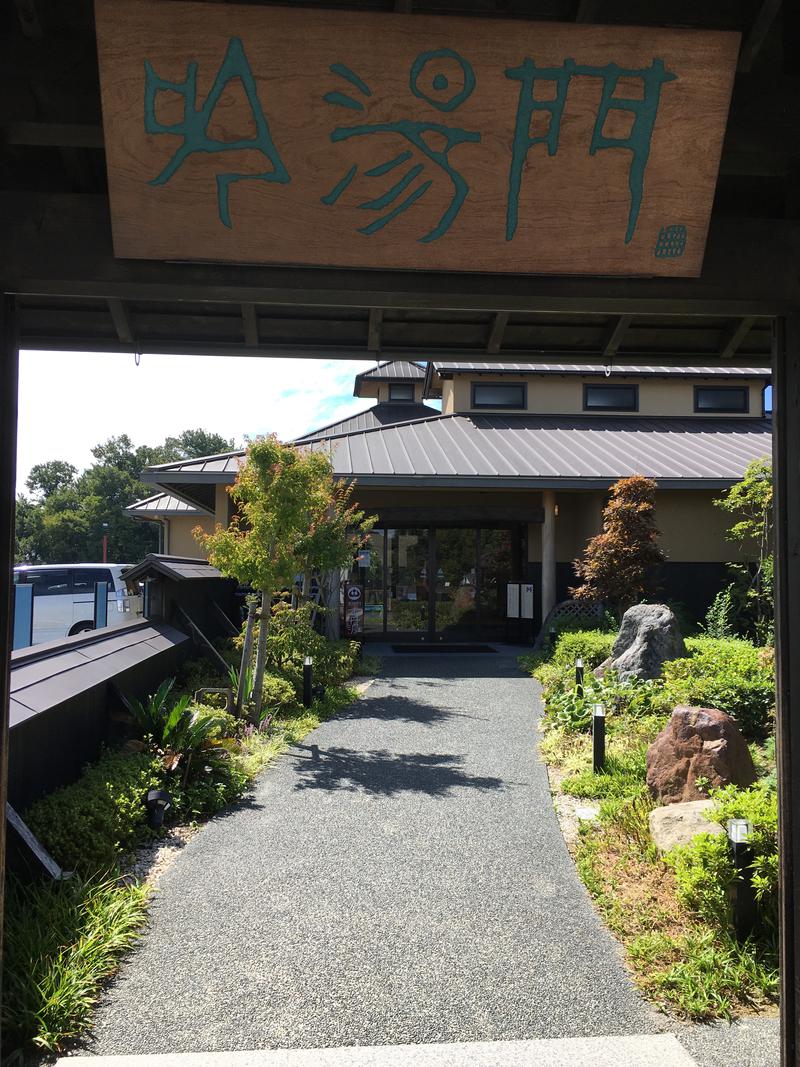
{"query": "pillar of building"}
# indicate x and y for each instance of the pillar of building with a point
(548, 552)
(9, 362)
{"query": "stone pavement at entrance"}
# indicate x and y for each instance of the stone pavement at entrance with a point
(399, 878)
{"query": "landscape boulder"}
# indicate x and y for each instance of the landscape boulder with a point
(697, 743)
(678, 824)
(649, 635)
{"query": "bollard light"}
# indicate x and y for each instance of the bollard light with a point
(598, 737)
(745, 909)
(157, 801)
(579, 675)
(739, 831)
(307, 681)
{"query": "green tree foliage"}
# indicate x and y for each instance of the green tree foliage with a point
(619, 565)
(745, 606)
(292, 518)
(62, 521)
(45, 479)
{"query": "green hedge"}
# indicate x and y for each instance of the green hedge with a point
(593, 646)
(732, 675)
(86, 826)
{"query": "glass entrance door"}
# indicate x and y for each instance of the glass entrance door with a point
(454, 609)
(408, 581)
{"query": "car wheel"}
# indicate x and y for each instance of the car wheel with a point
(80, 628)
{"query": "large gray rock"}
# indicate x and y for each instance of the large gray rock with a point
(678, 824)
(648, 636)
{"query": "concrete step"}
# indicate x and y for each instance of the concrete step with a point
(649, 1050)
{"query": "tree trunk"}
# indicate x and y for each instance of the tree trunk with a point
(261, 655)
(247, 654)
(332, 620)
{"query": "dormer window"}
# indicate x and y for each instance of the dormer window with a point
(508, 395)
(722, 399)
(401, 392)
(611, 398)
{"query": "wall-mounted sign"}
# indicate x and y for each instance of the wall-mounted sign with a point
(279, 135)
(353, 610)
(512, 600)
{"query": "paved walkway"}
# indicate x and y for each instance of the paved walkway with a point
(398, 878)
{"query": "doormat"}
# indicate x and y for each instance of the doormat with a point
(442, 647)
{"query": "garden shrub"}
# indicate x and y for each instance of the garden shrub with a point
(292, 637)
(279, 695)
(593, 646)
(704, 869)
(87, 825)
(731, 675)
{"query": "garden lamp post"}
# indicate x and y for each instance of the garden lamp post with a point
(307, 679)
(744, 901)
(598, 737)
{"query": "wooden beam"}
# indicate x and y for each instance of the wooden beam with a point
(122, 324)
(615, 335)
(671, 358)
(250, 325)
(752, 43)
(374, 330)
(9, 369)
(786, 463)
(59, 244)
(495, 341)
(734, 335)
(53, 134)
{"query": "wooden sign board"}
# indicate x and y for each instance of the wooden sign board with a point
(283, 135)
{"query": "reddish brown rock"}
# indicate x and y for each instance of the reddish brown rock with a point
(697, 743)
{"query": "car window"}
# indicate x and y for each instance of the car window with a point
(83, 580)
(50, 583)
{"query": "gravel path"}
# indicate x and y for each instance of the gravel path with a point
(399, 877)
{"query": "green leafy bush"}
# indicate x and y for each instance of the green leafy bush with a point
(570, 708)
(279, 695)
(292, 637)
(87, 825)
(704, 869)
(731, 675)
(62, 940)
(593, 646)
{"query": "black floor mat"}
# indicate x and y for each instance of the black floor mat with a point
(442, 647)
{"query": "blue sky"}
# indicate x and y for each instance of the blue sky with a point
(68, 402)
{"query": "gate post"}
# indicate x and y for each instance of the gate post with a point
(786, 472)
(9, 367)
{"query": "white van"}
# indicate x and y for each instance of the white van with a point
(63, 597)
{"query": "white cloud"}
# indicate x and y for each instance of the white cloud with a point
(69, 402)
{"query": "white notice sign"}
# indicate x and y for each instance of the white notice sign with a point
(512, 600)
(526, 602)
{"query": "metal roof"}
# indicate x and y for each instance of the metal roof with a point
(45, 676)
(178, 568)
(394, 370)
(379, 415)
(717, 371)
(162, 504)
(206, 468)
(565, 451)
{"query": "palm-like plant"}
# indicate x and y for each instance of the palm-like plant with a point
(180, 735)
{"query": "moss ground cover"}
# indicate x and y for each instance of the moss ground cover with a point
(673, 914)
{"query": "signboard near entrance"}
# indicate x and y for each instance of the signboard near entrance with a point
(353, 610)
(276, 135)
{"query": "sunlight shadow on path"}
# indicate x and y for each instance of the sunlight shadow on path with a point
(383, 773)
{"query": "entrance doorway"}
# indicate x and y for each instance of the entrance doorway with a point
(437, 583)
